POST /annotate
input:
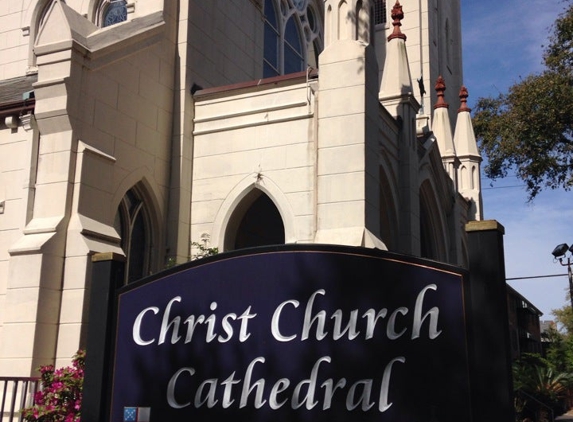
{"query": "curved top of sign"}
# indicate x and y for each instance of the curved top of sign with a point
(299, 248)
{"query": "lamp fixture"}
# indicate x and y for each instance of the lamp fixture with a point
(559, 254)
(560, 250)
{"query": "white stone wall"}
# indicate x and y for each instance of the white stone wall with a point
(224, 41)
(118, 111)
(19, 21)
(245, 140)
(13, 38)
(16, 164)
(104, 124)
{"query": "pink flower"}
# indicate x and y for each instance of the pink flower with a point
(61, 395)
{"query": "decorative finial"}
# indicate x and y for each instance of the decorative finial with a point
(464, 100)
(440, 89)
(397, 16)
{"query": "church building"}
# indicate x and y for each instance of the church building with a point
(147, 127)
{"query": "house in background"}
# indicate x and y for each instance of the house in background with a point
(524, 325)
(141, 127)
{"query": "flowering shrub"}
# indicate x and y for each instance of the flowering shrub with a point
(60, 398)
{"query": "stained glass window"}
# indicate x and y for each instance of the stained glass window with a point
(115, 12)
(292, 37)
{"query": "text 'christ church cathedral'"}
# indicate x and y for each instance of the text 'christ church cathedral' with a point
(141, 127)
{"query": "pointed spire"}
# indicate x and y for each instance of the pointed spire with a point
(464, 100)
(397, 16)
(440, 90)
(470, 159)
(464, 137)
(396, 79)
(443, 132)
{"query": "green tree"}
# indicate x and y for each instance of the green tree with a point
(564, 318)
(529, 129)
(559, 352)
(536, 381)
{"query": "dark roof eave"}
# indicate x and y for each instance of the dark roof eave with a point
(266, 83)
(17, 108)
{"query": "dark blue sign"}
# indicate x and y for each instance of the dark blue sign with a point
(313, 334)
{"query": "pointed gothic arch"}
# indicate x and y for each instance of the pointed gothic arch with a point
(132, 223)
(292, 36)
(255, 221)
(432, 242)
(137, 224)
(388, 214)
(235, 199)
(39, 14)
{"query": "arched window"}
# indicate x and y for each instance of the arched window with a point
(133, 226)
(255, 222)
(432, 241)
(291, 38)
(38, 18)
(111, 12)
(427, 238)
(388, 219)
(115, 12)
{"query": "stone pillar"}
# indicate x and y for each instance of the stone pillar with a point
(490, 351)
(107, 277)
(347, 176)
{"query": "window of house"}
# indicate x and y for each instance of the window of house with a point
(380, 12)
(291, 37)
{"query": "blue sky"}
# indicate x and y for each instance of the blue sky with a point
(501, 42)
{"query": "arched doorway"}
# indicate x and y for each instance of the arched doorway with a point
(255, 222)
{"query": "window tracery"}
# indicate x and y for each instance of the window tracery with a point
(292, 36)
(111, 12)
(133, 226)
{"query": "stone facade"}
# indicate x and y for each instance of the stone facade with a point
(148, 136)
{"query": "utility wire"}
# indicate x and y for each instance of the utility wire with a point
(504, 187)
(536, 276)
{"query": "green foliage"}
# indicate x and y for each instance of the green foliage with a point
(203, 251)
(202, 248)
(542, 383)
(530, 128)
(559, 54)
(560, 341)
(564, 318)
(560, 350)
